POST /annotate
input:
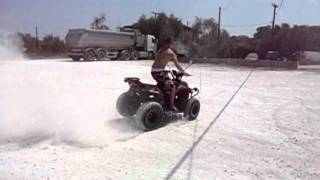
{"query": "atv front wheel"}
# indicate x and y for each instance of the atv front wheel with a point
(150, 116)
(192, 109)
(128, 104)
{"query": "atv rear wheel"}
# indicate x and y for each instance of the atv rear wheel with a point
(150, 116)
(128, 104)
(192, 109)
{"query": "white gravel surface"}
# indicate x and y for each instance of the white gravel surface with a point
(58, 121)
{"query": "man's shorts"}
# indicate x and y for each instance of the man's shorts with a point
(163, 80)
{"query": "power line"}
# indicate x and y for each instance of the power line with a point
(228, 5)
(282, 1)
(246, 25)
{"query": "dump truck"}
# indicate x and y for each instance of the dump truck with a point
(125, 44)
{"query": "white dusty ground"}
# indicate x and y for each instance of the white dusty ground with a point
(58, 121)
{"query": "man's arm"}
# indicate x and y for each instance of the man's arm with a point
(176, 63)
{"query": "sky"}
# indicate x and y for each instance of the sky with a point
(239, 17)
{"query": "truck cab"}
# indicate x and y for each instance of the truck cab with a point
(151, 44)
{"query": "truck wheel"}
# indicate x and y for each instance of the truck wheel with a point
(124, 55)
(101, 55)
(150, 55)
(192, 109)
(75, 58)
(128, 104)
(135, 55)
(150, 116)
(90, 55)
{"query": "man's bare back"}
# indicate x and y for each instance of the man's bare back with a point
(163, 57)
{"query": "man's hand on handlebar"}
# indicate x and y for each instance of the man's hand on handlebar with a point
(179, 73)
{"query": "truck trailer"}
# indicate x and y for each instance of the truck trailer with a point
(126, 44)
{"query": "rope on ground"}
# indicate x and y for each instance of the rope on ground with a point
(194, 132)
(190, 150)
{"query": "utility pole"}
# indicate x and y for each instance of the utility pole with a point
(219, 31)
(219, 24)
(275, 6)
(37, 40)
(156, 14)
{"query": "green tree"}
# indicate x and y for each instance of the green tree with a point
(285, 39)
(29, 42)
(205, 39)
(161, 26)
(240, 46)
(52, 45)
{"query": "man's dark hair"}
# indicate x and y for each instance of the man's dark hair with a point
(168, 40)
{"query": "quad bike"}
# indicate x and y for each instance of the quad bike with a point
(150, 103)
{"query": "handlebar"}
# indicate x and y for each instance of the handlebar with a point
(175, 74)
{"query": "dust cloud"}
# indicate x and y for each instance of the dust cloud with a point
(11, 48)
(70, 119)
(38, 105)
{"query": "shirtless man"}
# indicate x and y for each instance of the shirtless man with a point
(165, 55)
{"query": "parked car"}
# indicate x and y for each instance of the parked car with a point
(252, 57)
(274, 56)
